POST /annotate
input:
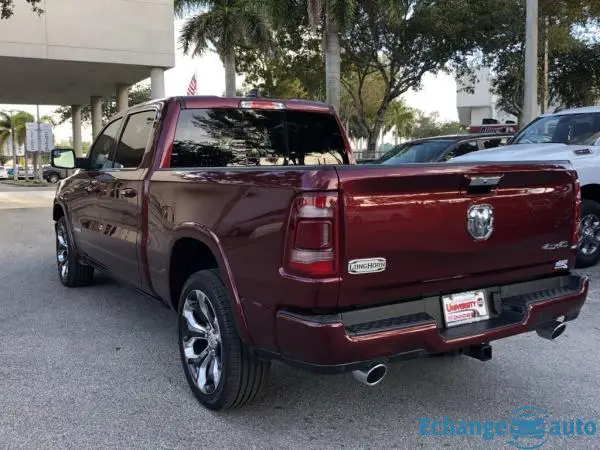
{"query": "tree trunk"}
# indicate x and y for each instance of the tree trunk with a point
(372, 144)
(229, 64)
(377, 126)
(15, 156)
(332, 59)
(34, 162)
(545, 87)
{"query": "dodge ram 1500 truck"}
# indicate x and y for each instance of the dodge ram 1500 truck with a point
(250, 218)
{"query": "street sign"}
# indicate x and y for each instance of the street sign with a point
(31, 137)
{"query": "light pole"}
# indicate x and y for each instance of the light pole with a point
(530, 102)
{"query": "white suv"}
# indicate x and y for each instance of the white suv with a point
(569, 135)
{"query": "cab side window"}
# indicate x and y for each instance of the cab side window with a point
(493, 143)
(101, 151)
(134, 140)
(461, 149)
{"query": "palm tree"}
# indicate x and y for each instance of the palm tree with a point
(13, 126)
(4, 128)
(222, 25)
(400, 118)
(334, 16)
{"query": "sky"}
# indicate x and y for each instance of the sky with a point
(438, 93)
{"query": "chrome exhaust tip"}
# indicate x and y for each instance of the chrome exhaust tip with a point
(551, 330)
(370, 376)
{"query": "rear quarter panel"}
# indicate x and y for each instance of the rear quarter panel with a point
(245, 213)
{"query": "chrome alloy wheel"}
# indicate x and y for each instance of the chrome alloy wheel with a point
(201, 341)
(62, 251)
(589, 229)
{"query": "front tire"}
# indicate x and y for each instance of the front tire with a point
(219, 368)
(588, 250)
(53, 178)
(70, 271)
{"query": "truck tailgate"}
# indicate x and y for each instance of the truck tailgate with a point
(415, 217)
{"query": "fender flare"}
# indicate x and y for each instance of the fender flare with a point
(206, 236)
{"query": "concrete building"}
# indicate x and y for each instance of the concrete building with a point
(78, 51)
(481, 104)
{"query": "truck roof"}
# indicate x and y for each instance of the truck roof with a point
(215, 101)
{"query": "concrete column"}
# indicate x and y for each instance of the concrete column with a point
(76, 120)
(157, 82)
(96, 103)
(122, 97)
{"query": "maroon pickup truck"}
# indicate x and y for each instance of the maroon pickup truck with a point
(250, 218)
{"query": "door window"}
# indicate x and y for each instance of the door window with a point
(101, 151)
(134, 140)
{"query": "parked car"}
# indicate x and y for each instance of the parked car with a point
(52, 174)
(569, 135)
(439, 148)
(3, 173)
(10, 172)
(294, 253)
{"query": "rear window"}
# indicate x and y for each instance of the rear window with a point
(246, 137)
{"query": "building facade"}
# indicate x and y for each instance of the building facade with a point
(474, 108)
(79, 51)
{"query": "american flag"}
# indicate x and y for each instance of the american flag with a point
(192, 87)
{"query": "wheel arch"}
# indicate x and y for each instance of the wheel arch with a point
(57, 212)
(591, 191)
(195, 247)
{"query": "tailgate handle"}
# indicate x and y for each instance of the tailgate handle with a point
(491, 180)
(482, 184)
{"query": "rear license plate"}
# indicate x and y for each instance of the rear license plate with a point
(466, 307)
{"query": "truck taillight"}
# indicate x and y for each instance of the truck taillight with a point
(576, 215)
(312, 235)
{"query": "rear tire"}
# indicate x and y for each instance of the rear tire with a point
(220, 370)
(53, 178)
(70, 271)
(588, 250)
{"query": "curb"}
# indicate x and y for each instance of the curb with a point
(8, 183)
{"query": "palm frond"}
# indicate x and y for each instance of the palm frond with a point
(4, 121)
(4, 135)
(344, 11)
(257, 32)
(19, 120)
(197, 34)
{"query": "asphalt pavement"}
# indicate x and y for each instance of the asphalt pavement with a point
(98, 367)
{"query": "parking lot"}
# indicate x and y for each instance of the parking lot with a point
(98, 367)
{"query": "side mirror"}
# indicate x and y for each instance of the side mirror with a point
(64, 158)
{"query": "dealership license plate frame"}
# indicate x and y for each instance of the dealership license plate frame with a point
(456, 318)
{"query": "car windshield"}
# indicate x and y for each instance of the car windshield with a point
(415, 152)
(576, 129)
